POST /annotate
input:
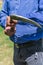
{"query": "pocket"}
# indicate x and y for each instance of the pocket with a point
(35, 59)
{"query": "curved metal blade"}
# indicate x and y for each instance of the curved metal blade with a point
(24, 19)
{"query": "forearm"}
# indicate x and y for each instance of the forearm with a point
(4, 14)
(3, 22)
(37, 16)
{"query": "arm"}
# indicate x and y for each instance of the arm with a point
(5, 20)
(38, 15)
(4, 13)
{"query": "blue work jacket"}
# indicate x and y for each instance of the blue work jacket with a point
(32, 9)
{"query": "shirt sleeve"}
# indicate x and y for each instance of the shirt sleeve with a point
(38, 15)
(4, 13)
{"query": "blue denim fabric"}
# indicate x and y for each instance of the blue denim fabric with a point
(32, 9)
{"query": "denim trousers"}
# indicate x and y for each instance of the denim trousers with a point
(31, 55)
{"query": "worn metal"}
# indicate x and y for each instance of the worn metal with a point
(24, 19)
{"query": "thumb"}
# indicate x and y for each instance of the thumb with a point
(8, 20)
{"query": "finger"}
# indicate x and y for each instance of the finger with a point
(13, 29)
(15, 21)
(12, 24)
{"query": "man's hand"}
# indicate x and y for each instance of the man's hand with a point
(10, 26)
